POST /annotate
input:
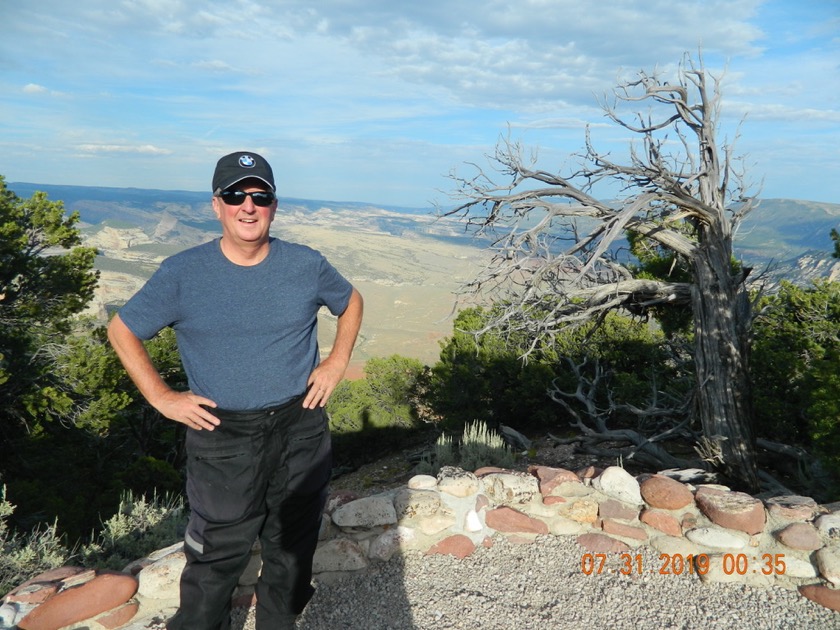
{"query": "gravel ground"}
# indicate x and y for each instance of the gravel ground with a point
(541, 587)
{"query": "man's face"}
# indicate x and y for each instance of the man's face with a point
(248, 223)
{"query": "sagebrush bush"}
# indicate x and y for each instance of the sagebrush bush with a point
(482, 446)
(24, 556)
(142, 525)
(443, 454)
(479, 446)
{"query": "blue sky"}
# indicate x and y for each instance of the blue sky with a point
(380, 100)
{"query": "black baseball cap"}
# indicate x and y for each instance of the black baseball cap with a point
(241, 165)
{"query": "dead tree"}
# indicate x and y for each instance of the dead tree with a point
(554, 246)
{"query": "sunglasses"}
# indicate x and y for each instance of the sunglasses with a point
(260, 198)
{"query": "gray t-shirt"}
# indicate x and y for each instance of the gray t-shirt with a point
(247, 335)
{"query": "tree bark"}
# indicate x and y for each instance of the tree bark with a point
(724, 392)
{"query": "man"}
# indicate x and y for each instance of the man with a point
(244, 310)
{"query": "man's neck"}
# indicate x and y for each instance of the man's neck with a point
(246, 254)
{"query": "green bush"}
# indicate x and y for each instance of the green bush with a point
(824, 414)
(148, 474)
(483, 375)
(796, 350)
(114, 440)
(381, 400)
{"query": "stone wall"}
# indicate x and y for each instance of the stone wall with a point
(721, 535)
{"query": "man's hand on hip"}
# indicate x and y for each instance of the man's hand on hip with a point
(186, 408)
(322, 382)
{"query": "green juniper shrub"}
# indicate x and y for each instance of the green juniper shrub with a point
(483, 375)
(796, 342)
(372, 416)
(824, 415)
(148, 474)
(796, 349)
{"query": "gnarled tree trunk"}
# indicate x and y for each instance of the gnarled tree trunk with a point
(724, 397)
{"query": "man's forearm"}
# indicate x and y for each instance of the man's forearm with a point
(135, 358)
(347, 329)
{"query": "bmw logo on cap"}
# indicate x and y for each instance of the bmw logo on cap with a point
(246, 161)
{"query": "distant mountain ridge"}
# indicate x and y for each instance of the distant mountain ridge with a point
(777, 230)
(780, 228)
(142, 207)
(71, 194)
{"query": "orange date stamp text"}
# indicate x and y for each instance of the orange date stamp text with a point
(676, 564)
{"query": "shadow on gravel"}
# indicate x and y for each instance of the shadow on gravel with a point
(372, 598)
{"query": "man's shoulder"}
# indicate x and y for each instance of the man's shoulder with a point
(192, 255)
(295, 249)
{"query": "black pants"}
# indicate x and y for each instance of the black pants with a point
(263, 474)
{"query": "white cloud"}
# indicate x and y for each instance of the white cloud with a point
(144, 149)
(215, 65)
(777, 112)
(559, 123)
